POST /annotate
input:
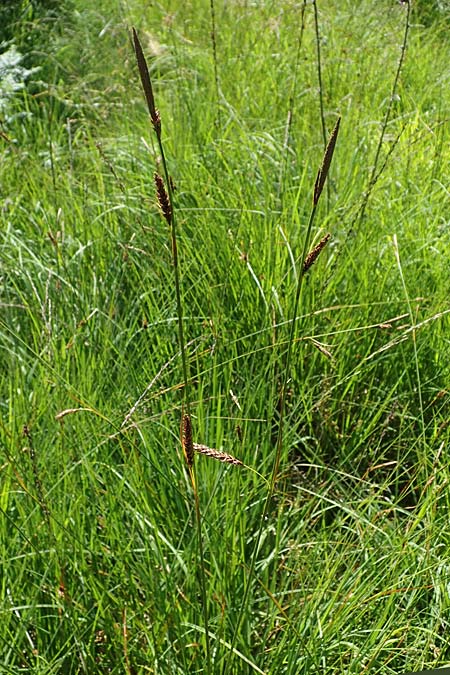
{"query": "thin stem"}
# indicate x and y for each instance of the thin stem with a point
(165, 196)
(317, 191)
(290, 113)
(187, 404)
(376, 173)
(214, 48)
(393, 93)
(319, 77)
(287, 363)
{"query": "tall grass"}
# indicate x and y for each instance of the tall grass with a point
(306, 263)
(165, 200)
(326, 551)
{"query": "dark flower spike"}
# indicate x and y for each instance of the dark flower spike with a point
(314, 254)
(186, 440)
(146, 84)
(323, 171)
(163, 198)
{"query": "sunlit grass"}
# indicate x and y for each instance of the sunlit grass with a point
(99, 554)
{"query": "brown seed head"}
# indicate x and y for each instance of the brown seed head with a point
(326, 161)
(146, 84)
(186, 440)
(314, 254)
(163, 198)
(216, 454)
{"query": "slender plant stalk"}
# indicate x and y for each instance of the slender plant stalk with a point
(318, 188)
(290, 113)
(156, 122)
(393, 93)
(319, 77)
(376, 173)
(214, 48)
(165, 198)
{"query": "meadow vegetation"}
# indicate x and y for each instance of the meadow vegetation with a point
(328, 549)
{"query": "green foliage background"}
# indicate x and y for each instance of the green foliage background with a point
(98, 543)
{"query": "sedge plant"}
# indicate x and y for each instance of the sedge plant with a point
(165, 199)
(308, 259)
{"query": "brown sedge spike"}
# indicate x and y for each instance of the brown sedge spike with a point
(217, 454)
(327, 157)
(186, 440)
(146, 84)
(314, 254)
(163, 198)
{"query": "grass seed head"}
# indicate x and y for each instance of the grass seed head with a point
(163, 198)
(147, 85)
(217, 454)
(186, 440)
(314, 254)
(327, 157)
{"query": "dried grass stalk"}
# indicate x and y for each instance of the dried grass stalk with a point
(146, 84)
(70, 411)
(322, 349)
(314, 254)
(217, 454)
(186, 440)
(163, 198)
(323, 171)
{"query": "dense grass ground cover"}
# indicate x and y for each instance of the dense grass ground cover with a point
(349, 570)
